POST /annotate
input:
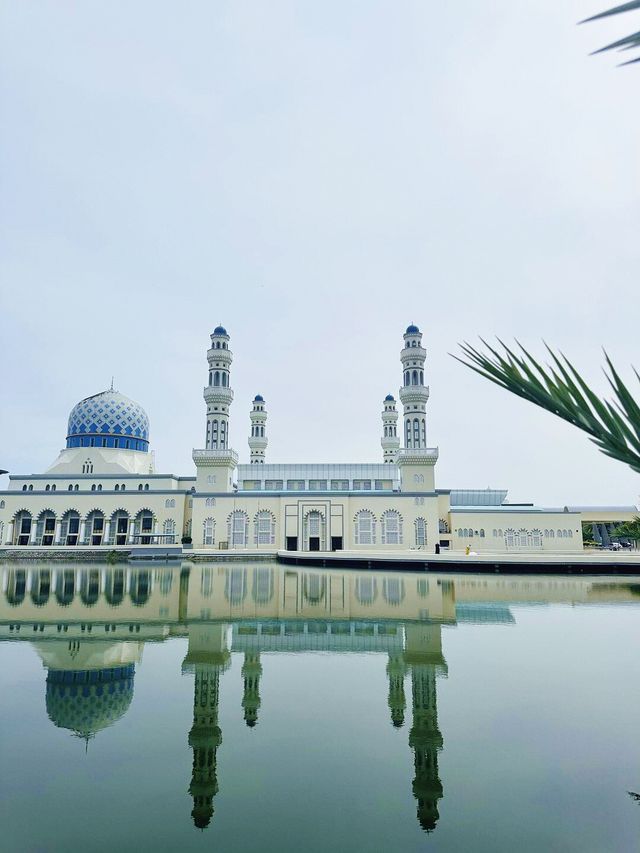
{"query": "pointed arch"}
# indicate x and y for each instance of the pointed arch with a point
(264, 528)
(238, 529)
(364, 530)
(420, 525)
(391, 527)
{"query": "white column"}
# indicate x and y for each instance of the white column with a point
(56, 538)
(107, 531)
(83, 527)
(33, 532)
(10, 530)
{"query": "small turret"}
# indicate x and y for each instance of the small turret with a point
(258, 439)
(389, 441)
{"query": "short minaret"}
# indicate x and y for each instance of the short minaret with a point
(251, 672)
(217, 461)
(258, 439)
(390, 441)
(218, 394)
(413, 393)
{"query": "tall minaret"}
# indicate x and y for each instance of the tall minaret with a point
(251, 672)
(258, 439)
(413, 393)
(390, 441)
(218, 394)
(217, 462)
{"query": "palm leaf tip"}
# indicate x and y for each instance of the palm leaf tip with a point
(560, 389)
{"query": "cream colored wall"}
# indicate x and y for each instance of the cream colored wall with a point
(289, 511)
(612, 516)
(85, 502)
(503, 520)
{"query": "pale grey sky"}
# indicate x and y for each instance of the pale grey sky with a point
(316, 176)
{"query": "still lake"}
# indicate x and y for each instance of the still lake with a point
(251, 707)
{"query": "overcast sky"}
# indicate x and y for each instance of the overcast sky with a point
(315, 176)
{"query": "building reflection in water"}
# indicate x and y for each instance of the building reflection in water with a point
(89, 625)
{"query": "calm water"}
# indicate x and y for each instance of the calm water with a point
(253, 708)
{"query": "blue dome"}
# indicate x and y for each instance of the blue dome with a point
(219, 330)
(258, 398)
(412, 330)
(86, 701)
(108, 419)
(390, 398)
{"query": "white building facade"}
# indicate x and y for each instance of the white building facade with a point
(103, 490)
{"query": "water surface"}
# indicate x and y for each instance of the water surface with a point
(245, 707)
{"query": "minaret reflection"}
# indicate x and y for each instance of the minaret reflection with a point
(423, 653)
(251, 672)
(207, 657)
(396, 670)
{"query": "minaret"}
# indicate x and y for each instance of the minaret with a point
(218, 394)
(207, 657)
(413, 393)
(217, 462)
(251, 672)
(258, 439)
(390, 441)
(396, 670)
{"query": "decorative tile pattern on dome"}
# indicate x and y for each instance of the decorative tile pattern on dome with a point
(87, 701)
(108, 414)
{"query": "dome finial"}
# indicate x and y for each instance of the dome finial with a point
(111, 389)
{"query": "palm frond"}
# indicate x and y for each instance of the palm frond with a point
(628, 42)
(558, 387)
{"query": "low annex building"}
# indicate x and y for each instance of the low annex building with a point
(103, 490)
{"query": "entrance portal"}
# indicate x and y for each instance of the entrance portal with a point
(314, 531)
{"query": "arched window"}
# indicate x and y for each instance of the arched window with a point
(482, 532)
(70, 528)
(364, 528)
(536, 538)
(143, 527)
(122, 487)
(366, 589)
(119, 527)
(216, 378)
(94, 528)
(421, 377)
(523, 538)
(570, 532)
(2, 504)
(238, 529)
(47, 488)
(416, 432)
(31, 488)
(391, 527)
(146, 487)
(170, 502)
(495, 533)
(93, 487)
(264, 528)
(140, 487)
(24, 488)
(408, 433)
(22, 528)
(76, 487)
(421, 532)
(99, 487)
(424, 432)
(169, 531)
(117, 487)
(510, 537)
(45, 528)
(209, 531)
(224, 380)
(552, 534)
(414, 377)
(210, 502)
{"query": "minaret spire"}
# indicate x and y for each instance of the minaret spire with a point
(258, 438)
(390, 441)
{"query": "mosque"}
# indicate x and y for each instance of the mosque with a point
(103, 492)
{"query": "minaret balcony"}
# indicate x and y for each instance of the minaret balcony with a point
(413, 394)
(413, 354)
(418, 456)
(258, 443)
(219, 356)
(218, 394)
(215, 457)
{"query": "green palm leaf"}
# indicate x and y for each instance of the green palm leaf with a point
(613, 426)
(626, 43)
